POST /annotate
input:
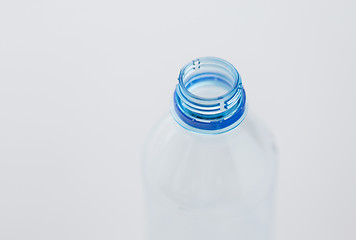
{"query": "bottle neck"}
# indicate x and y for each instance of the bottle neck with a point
(209, 97)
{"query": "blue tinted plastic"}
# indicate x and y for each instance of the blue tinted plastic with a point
(209, 97)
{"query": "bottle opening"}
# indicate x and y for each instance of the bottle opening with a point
(208, 80)
(209, 96)
(208, 86)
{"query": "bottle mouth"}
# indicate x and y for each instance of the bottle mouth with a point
(208, 78)
(209, 96)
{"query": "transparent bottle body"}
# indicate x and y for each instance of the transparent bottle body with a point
(210, 186)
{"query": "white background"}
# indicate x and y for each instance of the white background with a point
(82, 82)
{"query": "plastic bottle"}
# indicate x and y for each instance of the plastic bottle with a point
(209, 167)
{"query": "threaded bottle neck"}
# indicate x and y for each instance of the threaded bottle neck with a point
(209, 97)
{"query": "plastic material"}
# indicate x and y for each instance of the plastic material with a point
(209, 96)
(209, 169)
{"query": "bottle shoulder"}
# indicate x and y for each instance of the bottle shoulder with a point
(167, 133)
(197, 170)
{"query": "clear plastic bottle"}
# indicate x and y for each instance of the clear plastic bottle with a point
(209, 167)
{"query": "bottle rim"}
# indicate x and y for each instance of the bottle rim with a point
(209, 114)
(196, 64)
